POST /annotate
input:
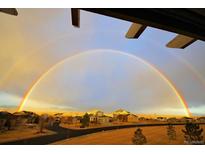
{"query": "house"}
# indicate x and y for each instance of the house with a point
(93, 119)
(201, 119)
(76, 119)
(186, 119)
(67, 120)
(24, 117)
(104, 119)
(97, 113)
(132, 118)
(5, 115)
(121, 118)
(120, 115)
(161, 119)
(173, 119)
(142, 118)
(120, 112)
(21, 118)
(98, 117)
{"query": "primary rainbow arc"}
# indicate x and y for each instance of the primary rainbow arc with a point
(52, 68)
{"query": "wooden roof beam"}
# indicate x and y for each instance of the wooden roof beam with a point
(181, 41)
(75, 15)
(10, 11)
(135, 31)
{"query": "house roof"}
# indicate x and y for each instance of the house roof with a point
(121, 111)
(5, 114)
(95, 111)
(133, 115)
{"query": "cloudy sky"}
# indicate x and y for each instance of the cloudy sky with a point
(99, 68)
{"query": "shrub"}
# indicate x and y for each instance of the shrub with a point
(171, 132)
(193, 134)
(139, 138)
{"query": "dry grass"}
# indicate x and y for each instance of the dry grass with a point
(23, 133)
(156, 135)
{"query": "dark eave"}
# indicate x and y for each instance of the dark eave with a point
(189, 22)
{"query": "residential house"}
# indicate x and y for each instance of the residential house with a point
(76, 119)
(132, 118)
(20, 118)
(67, 120)
(142, 118)
(98, 117)
(186, 119)
(120, 115)
(172, 120)
(93, 118)
(104, 119)
(161, 119)
(201, 119)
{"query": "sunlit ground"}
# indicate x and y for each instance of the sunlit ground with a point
(156, 135)
(22, 133)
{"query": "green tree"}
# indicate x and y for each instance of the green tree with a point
(85, 120)
(139, 138)
(193, 134)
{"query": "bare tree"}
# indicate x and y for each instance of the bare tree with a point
(42, 121)
(41, 125)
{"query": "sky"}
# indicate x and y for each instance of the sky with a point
(102, 71)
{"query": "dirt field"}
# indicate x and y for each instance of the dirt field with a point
(156, 135)
(19, 134)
